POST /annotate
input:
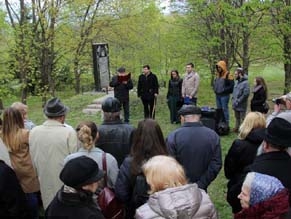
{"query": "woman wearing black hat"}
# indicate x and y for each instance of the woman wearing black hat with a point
(75, 199)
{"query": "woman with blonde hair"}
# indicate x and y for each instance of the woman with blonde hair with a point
(170, 194)
(15, 137)
(87, 132)
(243, 152)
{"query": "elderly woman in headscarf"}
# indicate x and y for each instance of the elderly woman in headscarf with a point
(263, 196)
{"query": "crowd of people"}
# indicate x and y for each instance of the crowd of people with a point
(62, 169)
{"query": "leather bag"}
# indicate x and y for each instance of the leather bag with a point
(110, 206)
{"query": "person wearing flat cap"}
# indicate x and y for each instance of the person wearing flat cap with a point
(49, 144)
(274, 160)
(122, 83)
(196, 147)
(114, 135)
(75, 199)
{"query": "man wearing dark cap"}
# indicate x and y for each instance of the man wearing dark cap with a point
(122, 83)
(49, 144)
(196, 147)
(114, 135)
(75, 199)
(274, 160)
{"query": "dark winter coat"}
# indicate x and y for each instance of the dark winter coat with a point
(12, 199)
(73, 206)
(124, 188)
(241, 154)
(115, 138)
(147, 86)
(194, 145)
(277, 164)
(258, 99)
(121, 91)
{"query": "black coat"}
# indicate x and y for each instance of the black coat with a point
(258, 100)
(125, 186)
(73, 206)
(147, 86)
(115, 138)
(121, 91)
(277, 164)
(175, 88)
(12, 199)
(241, 154)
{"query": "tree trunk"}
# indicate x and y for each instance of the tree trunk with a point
(287, 63)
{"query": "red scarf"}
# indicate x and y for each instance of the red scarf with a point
(272, 208)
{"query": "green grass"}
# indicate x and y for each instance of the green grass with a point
(272, 73)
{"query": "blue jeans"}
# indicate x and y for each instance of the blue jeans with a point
(222, 103)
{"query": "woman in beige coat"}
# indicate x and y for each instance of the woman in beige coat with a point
(171, 196)
(15, 137)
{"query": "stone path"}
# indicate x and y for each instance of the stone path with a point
(96, 104)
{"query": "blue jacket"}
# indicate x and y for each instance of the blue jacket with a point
(197, 148)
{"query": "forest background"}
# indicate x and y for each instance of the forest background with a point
(46, 50)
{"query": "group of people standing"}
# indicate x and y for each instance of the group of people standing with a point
(226, 84)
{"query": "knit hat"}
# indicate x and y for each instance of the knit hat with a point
(278, 132)
(80, 171)
(262, 187)
(189, 110)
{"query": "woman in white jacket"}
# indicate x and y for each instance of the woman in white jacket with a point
(171, 196)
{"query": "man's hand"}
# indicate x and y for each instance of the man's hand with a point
(156, 94)
(277, 108)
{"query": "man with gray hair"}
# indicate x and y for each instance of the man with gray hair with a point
(196, 147)
(114, 135)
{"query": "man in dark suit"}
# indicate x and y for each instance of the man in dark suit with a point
(148, 90)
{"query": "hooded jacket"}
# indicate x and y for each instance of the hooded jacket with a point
(223, 83)
(183, 202)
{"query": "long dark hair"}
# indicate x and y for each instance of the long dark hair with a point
(176, 71)
(261, 81)
(148, 141)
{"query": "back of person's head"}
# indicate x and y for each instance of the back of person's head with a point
(261, 187)
(87, 132)
(163, 172)
(148, 141)
(111, 109)
(253, 120)
(278, 134)
(21, 107)
(12, 123)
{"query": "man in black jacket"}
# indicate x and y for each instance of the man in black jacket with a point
(114, 135)
(122, 83)
(148, 90)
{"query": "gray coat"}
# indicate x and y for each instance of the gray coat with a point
(183, 202)
(241, 92)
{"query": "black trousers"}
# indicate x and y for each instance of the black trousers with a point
(148, 108)
(125, 107)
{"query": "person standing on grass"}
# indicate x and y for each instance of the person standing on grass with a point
(223, 87)
(148, 90)
(115, 136)
(49, 144)
(15, 137)
(260, 91)
(122, 83)
(196, 147)
(174, 96)
(190, 85)
(241, 92)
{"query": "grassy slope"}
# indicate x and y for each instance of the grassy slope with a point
(272, 74)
